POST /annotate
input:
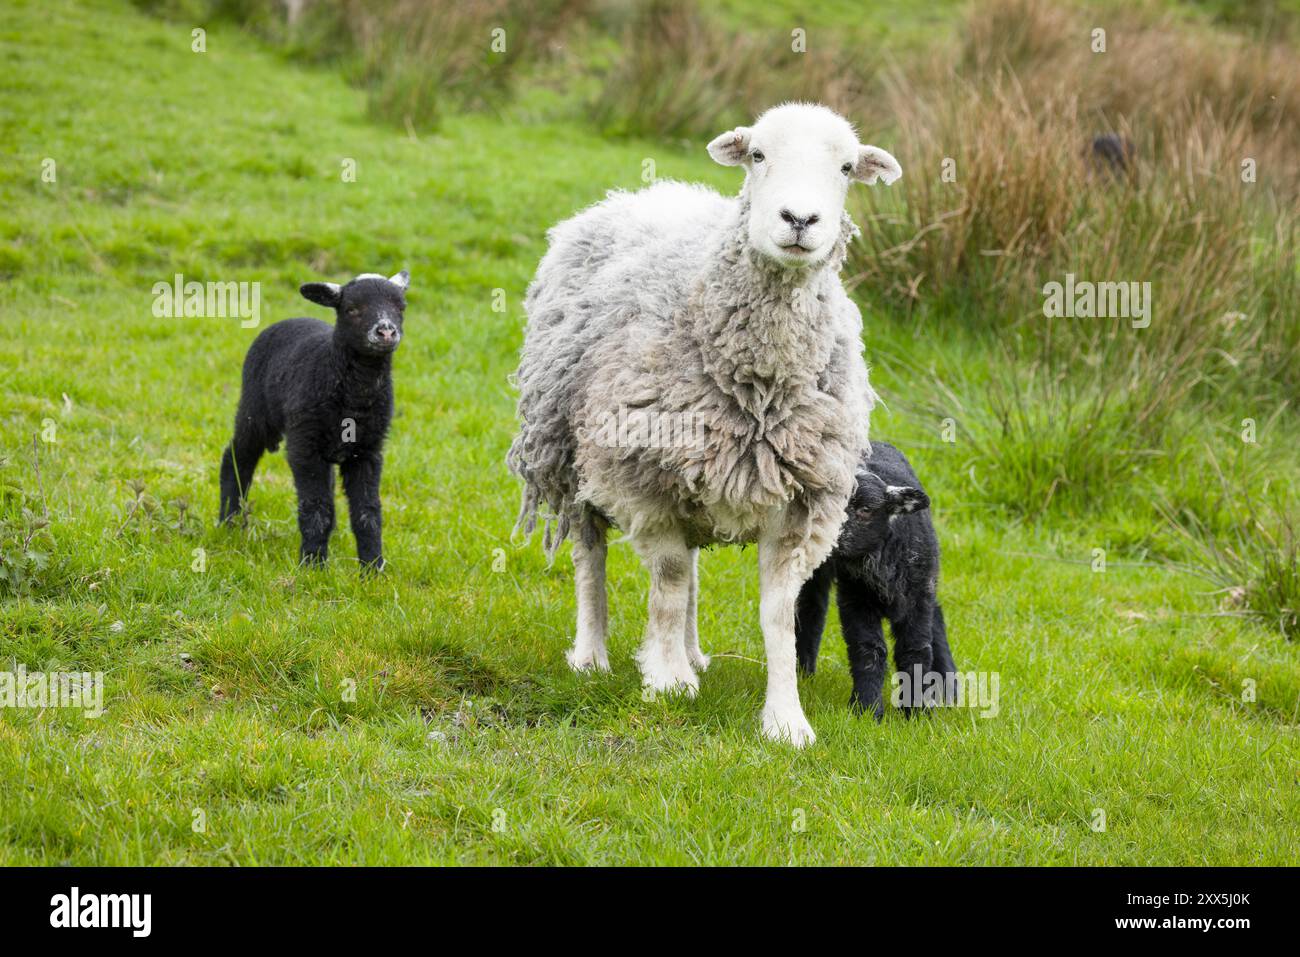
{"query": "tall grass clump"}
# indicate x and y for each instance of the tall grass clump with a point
(1037, 437)
(680, 74)
(28, 553)
(1154, 65)
(1256, 565)
(417, 60)
(421, 57)
(1003, 194)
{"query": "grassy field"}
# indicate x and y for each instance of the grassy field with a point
(228, 736)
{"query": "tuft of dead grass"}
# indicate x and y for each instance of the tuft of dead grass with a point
(682, 75)
(1001, 196)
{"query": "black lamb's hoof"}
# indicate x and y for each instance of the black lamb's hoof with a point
(369, 569)
(877, 710)
(313, 559)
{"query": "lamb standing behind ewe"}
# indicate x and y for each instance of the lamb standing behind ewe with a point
(885, 565)
(722, 322)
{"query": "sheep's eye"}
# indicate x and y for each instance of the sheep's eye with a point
(863, 512)
(757, 156)
(353, 311)
(846, 169)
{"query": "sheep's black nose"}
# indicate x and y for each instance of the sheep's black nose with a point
(799, 223)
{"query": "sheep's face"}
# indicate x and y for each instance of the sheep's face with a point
(871, 509)
(369, 310)
(799, 161)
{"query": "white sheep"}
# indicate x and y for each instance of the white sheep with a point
(721, 323)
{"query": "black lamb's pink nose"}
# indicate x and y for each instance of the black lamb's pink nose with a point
(386, 333)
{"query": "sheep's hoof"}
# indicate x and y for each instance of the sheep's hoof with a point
(589, 659)
(859, 708)
(662, 676)
(653, 689)
(788, 725)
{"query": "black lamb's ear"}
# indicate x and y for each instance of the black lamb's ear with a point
(322, 293)
(904, 499)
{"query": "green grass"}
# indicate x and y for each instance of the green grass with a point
(469, 740)
(891, 24)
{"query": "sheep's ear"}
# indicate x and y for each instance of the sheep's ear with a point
(873, 164)
(731, 148)
(401, 280)
(322, 293)
(904, 498)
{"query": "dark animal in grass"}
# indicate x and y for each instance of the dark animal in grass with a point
(1112, 154)
(328, 392)
(885, 565)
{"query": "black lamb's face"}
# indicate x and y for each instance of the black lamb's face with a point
(369, 310)
(370, 315)
(871, 509)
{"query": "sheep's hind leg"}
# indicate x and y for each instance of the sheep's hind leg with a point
(664, 664)
(810, 616)
(237, 465)
(589, 651)
(698, 659)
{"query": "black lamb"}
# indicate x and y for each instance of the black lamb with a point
(885, 565)
(328, 392)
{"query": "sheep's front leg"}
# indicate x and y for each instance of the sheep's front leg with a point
(698, 659)
(314, 480)
(361, 485)
(913, 655)
(588, 649)
(860, 619)
(785, 560)
(663, 661)
(942, 660)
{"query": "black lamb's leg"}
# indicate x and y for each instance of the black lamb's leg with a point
(914, 654)
(860, 620)
(942, 662)
(810, 616)
(314, 479)
(361, 485)
(237, 465)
